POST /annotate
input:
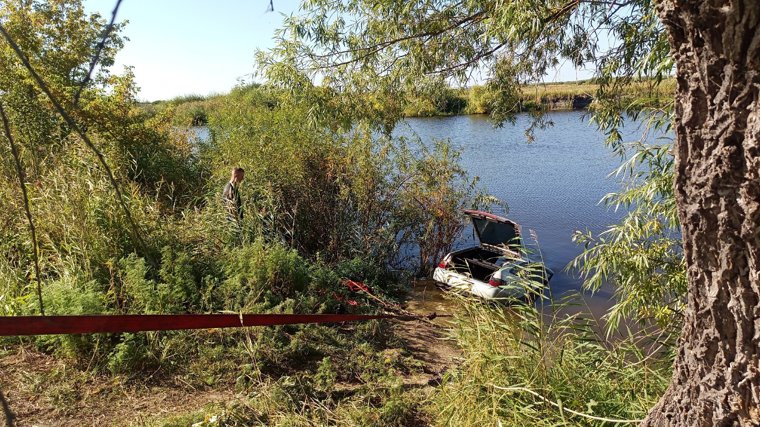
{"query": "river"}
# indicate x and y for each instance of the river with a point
(552, 185)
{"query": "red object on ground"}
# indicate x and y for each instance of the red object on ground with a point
(47, 325)
(356, 286)
(339, 298)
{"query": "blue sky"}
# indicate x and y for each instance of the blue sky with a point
(183, 47)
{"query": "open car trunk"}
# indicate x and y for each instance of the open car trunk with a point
(478, 263)
(499, 242)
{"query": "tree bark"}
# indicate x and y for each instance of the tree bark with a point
(716, 47)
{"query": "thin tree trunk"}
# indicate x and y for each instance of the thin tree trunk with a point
(716, 46)
(10, 417)
(25, 198)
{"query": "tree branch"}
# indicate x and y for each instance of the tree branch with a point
(25, 197)
(10, 418)
(471, 61)
(477, 17)
(73, 125)
(101, 45)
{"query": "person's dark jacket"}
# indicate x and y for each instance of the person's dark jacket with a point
(232, 201)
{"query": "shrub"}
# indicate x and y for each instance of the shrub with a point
(70, 295)
(262, 275)
(131, 354)
(140, 294)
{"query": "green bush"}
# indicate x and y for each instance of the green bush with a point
(140, 294)
(262, 275)
(331, 192)
(70, 295)
(131, 354)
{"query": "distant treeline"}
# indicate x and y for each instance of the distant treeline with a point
(442, 100)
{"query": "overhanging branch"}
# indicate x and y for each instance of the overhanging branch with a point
(73, 125)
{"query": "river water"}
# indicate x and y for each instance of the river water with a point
(552, 185)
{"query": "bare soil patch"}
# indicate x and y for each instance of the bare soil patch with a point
(429, 341)
(42, 390)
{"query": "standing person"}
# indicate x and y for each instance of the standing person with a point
(231, 195)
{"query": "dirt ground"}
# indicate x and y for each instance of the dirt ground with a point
(428, 341)
(42, 390)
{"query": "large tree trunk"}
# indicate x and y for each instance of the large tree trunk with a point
(716, 46)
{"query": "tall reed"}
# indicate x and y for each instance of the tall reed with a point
(548, 364)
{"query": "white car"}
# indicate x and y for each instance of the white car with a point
(496, 269)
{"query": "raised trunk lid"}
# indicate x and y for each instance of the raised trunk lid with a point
(495, 232)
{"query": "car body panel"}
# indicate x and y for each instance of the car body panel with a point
(450, 279)
(502, 237)
(496, 232)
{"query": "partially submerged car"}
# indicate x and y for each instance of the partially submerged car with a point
(498, 268)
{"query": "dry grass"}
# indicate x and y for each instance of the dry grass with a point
(45, 390)
(564, 90)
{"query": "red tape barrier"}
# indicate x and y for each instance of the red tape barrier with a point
(47, 325)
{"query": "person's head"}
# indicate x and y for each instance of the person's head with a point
(237, 175)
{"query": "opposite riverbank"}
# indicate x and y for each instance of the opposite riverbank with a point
(441, 100)
(562, 96)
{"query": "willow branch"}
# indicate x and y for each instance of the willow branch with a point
(471, 61)
(562, 408)
(564, 10)
(374, 48)
(25, 197)
(101, 46)
(73, 125)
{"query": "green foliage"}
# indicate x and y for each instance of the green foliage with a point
(188, 110)
(642, 256)
(173, 291)
(131, 354)
(364, 189)
(434, 97)
(518, 360)
(479, 100)
(398, 45)
(420, 48)
(70, 295)
(313, 397)
(328, 195)
(325, 377)
(262, 275)
(368, 46)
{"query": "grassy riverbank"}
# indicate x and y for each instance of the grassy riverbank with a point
(520, 366)
(534, 97)
(320, 206)
(193, 110)
(364, 374)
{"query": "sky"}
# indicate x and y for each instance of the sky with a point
(203, 47)
(184, 47)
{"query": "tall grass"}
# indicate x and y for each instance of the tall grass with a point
(542, 366)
